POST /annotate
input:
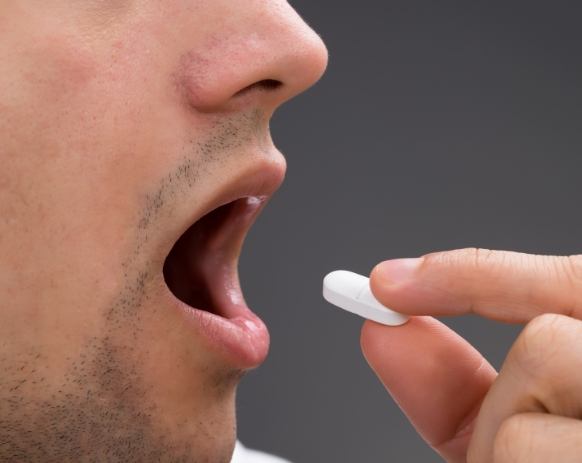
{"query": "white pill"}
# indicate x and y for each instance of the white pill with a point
(351, 292)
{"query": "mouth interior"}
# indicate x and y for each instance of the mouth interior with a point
(202, 258)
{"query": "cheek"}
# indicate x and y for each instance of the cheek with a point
(92, 126)
(82, 109)
(64, 67)
(73, 128)
(95, 101)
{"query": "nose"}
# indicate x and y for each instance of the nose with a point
(263, 54)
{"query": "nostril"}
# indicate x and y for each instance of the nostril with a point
(270, 84)
(266, 85)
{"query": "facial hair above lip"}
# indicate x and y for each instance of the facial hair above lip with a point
(101, 409)
(228, 134)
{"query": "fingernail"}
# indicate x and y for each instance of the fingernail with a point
(397, 271)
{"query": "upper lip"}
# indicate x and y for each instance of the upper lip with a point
(261, 179)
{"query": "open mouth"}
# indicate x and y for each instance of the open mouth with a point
(201, 271)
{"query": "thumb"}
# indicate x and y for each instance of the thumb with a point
(506, 286)
(436, 377)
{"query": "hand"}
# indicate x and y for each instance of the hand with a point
(528, 413)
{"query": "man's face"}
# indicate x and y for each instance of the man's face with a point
(122, 124)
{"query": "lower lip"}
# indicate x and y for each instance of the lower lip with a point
(242, 341)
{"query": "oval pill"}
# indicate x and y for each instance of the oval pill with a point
(351, 291)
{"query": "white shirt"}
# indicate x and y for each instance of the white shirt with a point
(243, 455)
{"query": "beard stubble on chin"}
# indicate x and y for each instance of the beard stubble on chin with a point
(103, 410)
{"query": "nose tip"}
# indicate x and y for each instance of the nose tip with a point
(273, 50)
(294, 61)
(308, 59)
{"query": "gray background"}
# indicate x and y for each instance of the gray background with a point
(439, 125)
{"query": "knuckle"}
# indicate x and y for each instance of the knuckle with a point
(569, 278)
(540, 342)
(484, 258)
(512, 442)
(474, 258)
(573, 271)
(560, 268)
(575, 266)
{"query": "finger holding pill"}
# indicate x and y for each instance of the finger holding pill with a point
(351, 292)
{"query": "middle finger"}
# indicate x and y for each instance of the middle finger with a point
(541, 374)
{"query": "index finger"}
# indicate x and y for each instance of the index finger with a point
(501, 285)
